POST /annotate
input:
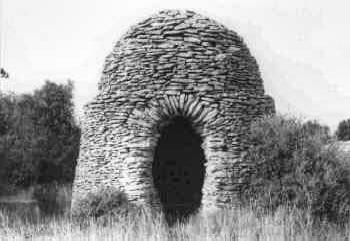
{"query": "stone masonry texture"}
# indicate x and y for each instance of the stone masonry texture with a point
(174, 63)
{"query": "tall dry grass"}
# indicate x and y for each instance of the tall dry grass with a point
(231, 224)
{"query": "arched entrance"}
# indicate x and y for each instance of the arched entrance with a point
(178, 169)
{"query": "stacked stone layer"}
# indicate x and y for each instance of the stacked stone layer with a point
(173, 63)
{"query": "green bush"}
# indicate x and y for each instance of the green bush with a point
(296, 163)
(106, 202)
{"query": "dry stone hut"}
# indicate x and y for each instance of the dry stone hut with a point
(169, 124)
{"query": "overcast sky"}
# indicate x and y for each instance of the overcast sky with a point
(302, 46)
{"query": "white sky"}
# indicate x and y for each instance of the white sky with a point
(302, 46)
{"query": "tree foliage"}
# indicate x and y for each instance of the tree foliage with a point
(39, 137)
(343, 130)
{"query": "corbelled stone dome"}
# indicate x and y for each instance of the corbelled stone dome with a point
(181, 47)
(168, 126)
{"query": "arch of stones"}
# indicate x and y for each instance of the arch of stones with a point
(175, 63)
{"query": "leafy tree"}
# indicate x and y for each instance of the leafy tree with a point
(61, 133)
(7, 106)
(314, 128)
(39, 137)
(343, 130)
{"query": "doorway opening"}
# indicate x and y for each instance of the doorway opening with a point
(178, 169)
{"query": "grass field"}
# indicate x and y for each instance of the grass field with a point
(296, 169)
(224, 225)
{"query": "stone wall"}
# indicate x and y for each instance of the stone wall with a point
(173, 63)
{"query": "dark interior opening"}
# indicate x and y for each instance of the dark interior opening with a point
(178, 169)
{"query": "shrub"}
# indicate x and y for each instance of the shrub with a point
(295, 164)
(105, 202)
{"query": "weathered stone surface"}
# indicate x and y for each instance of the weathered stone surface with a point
(173, 63)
